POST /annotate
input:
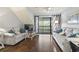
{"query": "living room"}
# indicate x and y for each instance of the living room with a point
(62, 29)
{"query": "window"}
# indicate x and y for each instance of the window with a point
(74, 19)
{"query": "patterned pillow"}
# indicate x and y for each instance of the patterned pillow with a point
(69, 32)
(72, 35)
(11, 31)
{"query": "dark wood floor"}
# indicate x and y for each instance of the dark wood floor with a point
(29, 45)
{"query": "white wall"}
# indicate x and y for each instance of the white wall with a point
(66, 14)
(8, 19)
(23, 14)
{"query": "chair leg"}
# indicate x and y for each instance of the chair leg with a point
(31, 38)
(25, 38)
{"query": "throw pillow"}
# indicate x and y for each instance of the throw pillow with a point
(22, 30)
(11, 31)
(69, 32)
(58, 31)
(72, 35)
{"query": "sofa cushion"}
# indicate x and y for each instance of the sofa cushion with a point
(9, 34)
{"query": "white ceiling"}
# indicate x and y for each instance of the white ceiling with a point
(46, 10)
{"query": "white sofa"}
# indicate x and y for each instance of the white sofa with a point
(13, 39)
(62, 42)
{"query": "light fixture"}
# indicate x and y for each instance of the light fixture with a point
(56, 21)
(49, 8)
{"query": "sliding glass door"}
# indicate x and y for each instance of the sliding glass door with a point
(44, 25)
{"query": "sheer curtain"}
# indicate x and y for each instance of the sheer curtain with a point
(36, 23)
(56, 22)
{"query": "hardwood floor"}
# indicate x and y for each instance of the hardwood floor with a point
(33, 45)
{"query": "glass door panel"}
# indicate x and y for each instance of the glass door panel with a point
(44, 25)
